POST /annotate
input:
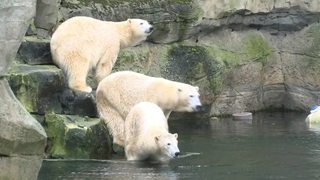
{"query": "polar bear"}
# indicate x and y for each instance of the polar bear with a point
(120, 91)
(147, 136)
(82, 43)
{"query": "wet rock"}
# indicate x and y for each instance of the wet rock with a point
(41, 89)
(34, 51)
(77, 137)
(37, 87)
(78, 103)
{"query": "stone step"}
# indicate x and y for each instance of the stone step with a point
(71, 136)
(34, 51)
(41, 89)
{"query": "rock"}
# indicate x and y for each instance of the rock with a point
(37, 87)
(20, 167)
(34, 51)
(41, 89)
(78, 103)
(274, 16)
(77, 137)
(46, 17)
(22, 134)
(14, 18)
(22, 138)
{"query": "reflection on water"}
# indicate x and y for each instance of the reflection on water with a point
(271, 146)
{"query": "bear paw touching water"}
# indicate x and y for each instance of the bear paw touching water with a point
(119, 92)
(147, 136)
(82, 43)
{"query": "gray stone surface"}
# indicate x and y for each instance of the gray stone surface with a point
(15, 17)
(21, 134)
(34, 51)
(22, 138)
(20, 167)
(77, 137)
(46, 17)
(37, 87)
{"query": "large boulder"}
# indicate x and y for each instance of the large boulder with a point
(22, 138)
(41, 89)
(77, 137)
(34, 51)
(37, 87)
(46, 17)
(21, 133)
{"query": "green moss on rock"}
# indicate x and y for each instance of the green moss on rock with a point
(35, 86)
(256, 48)
(312, 51)
(77, 137)
(191, 63)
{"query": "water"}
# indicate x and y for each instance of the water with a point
(272, 146)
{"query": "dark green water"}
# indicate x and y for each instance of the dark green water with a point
(271, 146)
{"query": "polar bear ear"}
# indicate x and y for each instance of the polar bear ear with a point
(129, 20)
(197, 88)
(176, 135)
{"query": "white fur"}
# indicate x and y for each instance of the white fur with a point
(120, 91)
(147, 135)
(82, 43)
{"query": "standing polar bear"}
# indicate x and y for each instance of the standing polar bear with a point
(82, 43)
(119, 92)
(147, 136)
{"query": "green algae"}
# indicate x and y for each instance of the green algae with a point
(256, 48)
(72, 136)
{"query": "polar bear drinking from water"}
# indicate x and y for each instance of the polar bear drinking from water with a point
(119, 92)
(147, 136)
(82, 43)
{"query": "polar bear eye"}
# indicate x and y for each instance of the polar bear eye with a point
(191, 96)
(169, 144)
(141, 23)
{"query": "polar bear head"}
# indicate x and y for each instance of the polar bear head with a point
(140, 29)
(188, 98)
(168, 146)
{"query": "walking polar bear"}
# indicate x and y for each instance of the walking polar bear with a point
(147, 136)
(119, 92)
(82, 43)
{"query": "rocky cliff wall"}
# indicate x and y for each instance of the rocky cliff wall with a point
(244, 55)
(248, 55)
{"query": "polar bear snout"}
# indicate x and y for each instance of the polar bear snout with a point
(176, 154)
(197, 108)
(194, 103)
(149, 30)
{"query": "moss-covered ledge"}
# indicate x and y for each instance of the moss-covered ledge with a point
(71, 136)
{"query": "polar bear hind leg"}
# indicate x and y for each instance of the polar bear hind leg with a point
(115, 125)
(77, 74)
